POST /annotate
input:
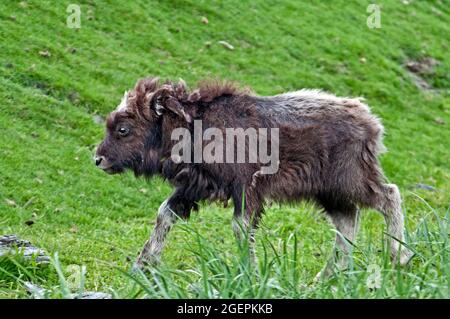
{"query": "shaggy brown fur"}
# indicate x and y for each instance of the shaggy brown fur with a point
(328, 150)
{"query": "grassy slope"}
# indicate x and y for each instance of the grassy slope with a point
(48, 102)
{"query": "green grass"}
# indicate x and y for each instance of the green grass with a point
(98, 221)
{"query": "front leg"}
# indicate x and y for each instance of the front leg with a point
(170, 210)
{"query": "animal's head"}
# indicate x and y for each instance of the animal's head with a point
(134, 130)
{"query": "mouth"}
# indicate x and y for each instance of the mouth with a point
(111, 170)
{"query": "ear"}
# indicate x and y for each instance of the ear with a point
(169, 98)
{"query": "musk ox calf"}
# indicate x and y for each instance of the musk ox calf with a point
(326, 151)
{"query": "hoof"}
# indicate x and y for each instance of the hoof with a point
(136, 268)
(325, 273)
(142, 264)
(318, 277)
(405, 257)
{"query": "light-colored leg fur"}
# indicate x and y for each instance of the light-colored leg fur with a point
(346, 224)
(244, 230)
(151, 252)
(391, 208)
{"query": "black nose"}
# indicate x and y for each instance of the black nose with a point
(98, 160)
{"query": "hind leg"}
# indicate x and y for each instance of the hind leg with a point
(245, 221)
(390, 206)
(346, 221)
(244, 229)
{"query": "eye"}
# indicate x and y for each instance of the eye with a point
(123, 131)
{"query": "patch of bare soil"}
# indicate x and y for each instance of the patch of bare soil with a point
(418, 69)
